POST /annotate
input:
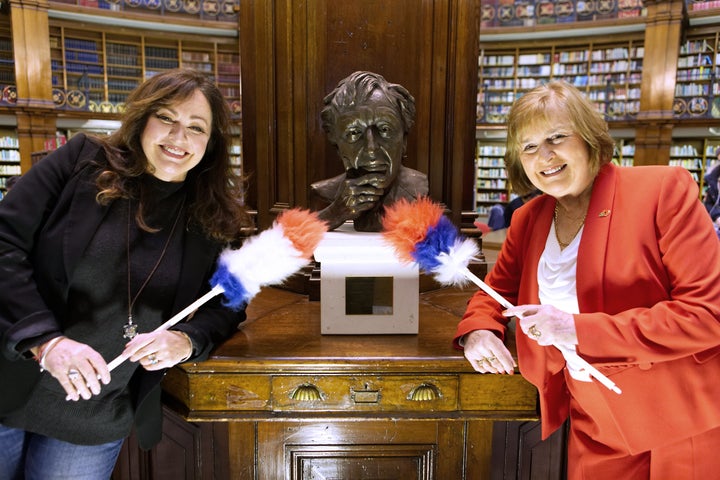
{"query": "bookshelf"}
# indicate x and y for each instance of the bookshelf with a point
(9, 156)
(94, 70)
(689, 154)
(697, 86)
(608, 72)
(491, 185)
(624, 152)
(7, 65)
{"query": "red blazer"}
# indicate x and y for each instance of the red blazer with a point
(648, 286)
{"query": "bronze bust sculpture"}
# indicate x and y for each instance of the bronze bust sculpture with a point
(368, 119)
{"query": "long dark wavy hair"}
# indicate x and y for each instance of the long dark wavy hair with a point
(215, 192)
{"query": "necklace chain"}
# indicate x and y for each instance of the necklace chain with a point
(562, 244)
(130, 328)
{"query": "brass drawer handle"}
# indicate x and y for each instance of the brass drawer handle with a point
(366, 396)
(306, 393)
(424, 393)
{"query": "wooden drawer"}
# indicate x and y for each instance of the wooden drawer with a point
(360, 393)
(386, 393)
(306, 393)
(219, 392)
(490, 392)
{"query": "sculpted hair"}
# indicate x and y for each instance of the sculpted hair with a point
(215, 192)
(356, 89)
(538, 107)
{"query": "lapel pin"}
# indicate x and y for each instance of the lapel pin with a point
(604, 213)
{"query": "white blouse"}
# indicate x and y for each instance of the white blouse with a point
(557, 275)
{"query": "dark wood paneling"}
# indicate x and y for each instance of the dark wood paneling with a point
(295, 53)
(519, 453)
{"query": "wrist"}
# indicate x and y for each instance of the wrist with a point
(42, 351)
(191, 347)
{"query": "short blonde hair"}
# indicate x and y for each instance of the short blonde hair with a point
(537, 106)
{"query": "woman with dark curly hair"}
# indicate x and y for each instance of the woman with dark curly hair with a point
(102, 241)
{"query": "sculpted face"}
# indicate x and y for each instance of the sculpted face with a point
(371, 140)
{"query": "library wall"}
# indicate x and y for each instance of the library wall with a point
(650, 67)
(63, 69)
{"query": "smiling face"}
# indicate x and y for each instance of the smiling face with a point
(555, 158)
(370, 138)
(176, 136)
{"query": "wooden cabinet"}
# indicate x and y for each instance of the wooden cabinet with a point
(281, 401)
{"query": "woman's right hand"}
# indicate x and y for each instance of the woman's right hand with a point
(78, 367)
(487, 353)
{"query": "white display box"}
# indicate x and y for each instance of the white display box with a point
(364, 288)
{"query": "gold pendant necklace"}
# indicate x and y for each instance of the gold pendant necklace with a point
(562, 244)
(130, 329)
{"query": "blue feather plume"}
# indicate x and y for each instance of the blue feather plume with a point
(235, 293)
(439, 239)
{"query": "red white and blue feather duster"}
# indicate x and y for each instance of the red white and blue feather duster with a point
(419, 232)
(268, 258)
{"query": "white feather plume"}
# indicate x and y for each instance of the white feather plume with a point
(268, 258)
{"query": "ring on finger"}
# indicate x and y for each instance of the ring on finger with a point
(490, 359)
(73, 374)
(152, 358)
(534, 332)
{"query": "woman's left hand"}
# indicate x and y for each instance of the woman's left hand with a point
(545, 324)
(158, 350)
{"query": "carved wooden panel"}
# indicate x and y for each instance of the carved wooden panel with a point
(366, 450)
(520, 454)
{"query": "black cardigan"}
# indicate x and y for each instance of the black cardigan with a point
(46, 223)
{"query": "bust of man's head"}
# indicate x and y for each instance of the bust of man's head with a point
(368, 120)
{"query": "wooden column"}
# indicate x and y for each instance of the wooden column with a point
(663, 34)
(31, 44)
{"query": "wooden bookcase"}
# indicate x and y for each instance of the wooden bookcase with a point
(609, 72)
(669, 123)
(95, 70)
(697, 89)
(9, 156)
(491, 182)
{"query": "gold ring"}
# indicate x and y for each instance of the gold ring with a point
(490, 359)
(534, 332)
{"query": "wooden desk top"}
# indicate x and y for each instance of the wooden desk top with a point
(278, 363)
(283, 328)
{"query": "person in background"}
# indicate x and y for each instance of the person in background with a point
(712, 196)
(516, 203)
(101, 242)
(622, 266)
(10, 182)
(368, 120)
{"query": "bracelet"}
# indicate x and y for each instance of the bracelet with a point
(42, 352)
(192, 347)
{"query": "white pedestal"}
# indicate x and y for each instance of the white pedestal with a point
(364, 289)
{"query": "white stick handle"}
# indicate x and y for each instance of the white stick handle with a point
(570, 357)
(216, 290)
